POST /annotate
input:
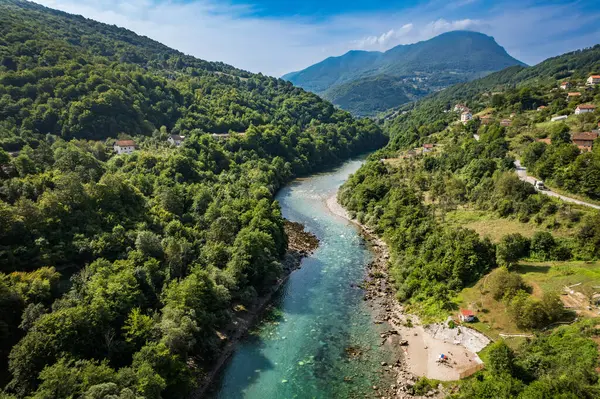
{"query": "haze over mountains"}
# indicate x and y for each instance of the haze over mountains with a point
(367, 82)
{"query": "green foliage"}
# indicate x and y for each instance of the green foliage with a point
(511, 248)
(160, 244)
(423, 385)
(501, 359)
(504, 284)
(560, 364)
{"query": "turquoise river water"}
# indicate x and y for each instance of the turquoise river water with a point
(301, 348)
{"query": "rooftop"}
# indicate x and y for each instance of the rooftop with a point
(467, 312)
(586, 106)
(585, 136)
(125, 143)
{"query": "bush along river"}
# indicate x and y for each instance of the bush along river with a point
(318, 339)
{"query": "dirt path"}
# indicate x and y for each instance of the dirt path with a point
(522, 173)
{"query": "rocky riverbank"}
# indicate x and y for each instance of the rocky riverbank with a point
(300, 245)
(418, 350)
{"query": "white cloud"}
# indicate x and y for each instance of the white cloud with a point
(219, 31)
(409, 33)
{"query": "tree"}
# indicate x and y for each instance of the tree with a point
(542, 245)
(501, 359)
(504, 284)
(511, 248)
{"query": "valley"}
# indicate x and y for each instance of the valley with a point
(172, 227)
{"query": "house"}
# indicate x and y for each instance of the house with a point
(466, 116)
(571, 96)
(559, 118)
(486, 120)
(124, 146)
(584, 141)
(427, 148)
(175, 139)
(466, 316)
(593, 80)
(461, 108)
(584, 108)
(505, 122)
(541, 108)
(547, 141)
(565, 85)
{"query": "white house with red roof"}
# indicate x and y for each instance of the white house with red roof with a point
(565, 85)
(593, 80)
(124, 146)
(584, 108)
(466, 316)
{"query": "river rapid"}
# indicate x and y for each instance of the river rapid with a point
(318, 339)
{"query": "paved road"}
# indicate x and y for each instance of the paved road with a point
(522, 173)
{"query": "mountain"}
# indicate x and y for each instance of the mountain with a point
(129, 273)
(410, 121)
(403, 73)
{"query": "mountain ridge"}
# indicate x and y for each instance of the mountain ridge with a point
(462, 55)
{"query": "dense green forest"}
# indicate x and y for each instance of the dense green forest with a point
(368, 82)
(116, 272)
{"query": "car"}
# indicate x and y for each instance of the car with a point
(539, 185)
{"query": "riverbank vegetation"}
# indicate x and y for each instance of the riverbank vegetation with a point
(117, 272)
(465, 232)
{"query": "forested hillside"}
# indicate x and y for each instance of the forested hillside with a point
(466, 232)
(117, 272)
(428, 115)
(367, 82)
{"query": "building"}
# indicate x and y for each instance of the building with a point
(593, 80)
(559, 118)
(541, 108)
(175, 139)
(547, 141)
(466, 316)
(486, 120)
(584, 108)
(466, 116)
(584, 141)
(571, 96)
(565, 85)
(427, 148)
(124, 146)
(505, 122)
(461, 108)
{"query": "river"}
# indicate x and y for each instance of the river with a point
(318, 340)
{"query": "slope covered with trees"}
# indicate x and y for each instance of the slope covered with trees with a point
(413, 121)
(413, 198)
(117, 272)
(353, 80)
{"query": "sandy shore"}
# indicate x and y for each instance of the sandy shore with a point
(421, 345)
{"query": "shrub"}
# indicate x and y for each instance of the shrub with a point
(542, 245)
(504, 284)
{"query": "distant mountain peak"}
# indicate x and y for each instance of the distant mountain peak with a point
(412, 70)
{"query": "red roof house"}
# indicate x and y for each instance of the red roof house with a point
(466, 315)
(584, 141)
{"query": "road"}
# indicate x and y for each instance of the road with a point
(522, 173)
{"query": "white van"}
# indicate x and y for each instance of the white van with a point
(539, 185)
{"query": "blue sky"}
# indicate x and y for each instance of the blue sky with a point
(276, 37)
